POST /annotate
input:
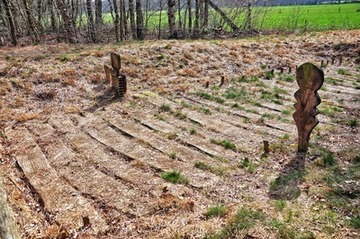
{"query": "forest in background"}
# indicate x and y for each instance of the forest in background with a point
(96, 21)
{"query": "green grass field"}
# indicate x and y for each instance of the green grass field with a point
(283, 18)
(314, 17)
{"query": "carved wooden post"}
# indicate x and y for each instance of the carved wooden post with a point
(310, 79)
(118, 80)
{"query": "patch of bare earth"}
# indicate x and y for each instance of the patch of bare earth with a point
(77, 163)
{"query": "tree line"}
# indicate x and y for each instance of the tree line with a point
(84, 21)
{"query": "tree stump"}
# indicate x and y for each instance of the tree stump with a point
(310, 79)
(113, 75)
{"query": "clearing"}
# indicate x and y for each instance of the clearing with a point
(180, 156)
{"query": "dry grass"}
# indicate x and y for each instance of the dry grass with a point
(62, 88)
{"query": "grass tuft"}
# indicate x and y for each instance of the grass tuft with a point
(216, 211)
(174, 177)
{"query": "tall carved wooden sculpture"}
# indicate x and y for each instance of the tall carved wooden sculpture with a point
(310, 79)
(113, 74)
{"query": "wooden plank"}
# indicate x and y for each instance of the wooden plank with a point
(100, 130)
(7, 226)
(164, 145)
(62, 202)
(88, 178)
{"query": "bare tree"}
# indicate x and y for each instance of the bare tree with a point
(190, 15)
(139, 21)
(117, 20)
(98, 13)
(35, 35)
(68, 22)
(132, 19)
(90, 20)
(171, 18)
(10, 22)
(52, 16)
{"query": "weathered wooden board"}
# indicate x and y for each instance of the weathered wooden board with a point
(62, 202)
(7, 226)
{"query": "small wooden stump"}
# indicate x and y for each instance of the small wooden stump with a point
(113, 75)
(266, 147)
(310, 79)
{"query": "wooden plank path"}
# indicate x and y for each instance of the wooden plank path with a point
(61, 202)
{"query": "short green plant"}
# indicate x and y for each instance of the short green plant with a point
(180, 115)
(174, 177)
(280, 205)
(216, 211)
(205, 110)
(353, 123)
(225, 143)
(64, 58)
(269, 75)
(355, 222)
(172, 155)
(286, 112)
(287, 78)
(343, 72)
(206, 167)
(328, 159)
(165, 108)
(193, 131)
(244, 219)
(235, 93)
(245, 163)
(185, 104)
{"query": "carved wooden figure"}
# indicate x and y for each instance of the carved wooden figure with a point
(310, 79)
(113, 74)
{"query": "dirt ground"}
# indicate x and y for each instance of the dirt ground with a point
(78, 163)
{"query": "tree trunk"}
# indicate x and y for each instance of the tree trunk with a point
(32, 29)
(160, 19)
(123, 22)
(39, 10)
(68, 23)
(190, 15)
(224, 17)
(132, 19)
(91, 26)
(139, 21)
(52, 16)
(179, 14)
(171, 18)
(117, 21)
(248, 16)
(197, 16)
(11, 23)
(206, 14)
(98, 13)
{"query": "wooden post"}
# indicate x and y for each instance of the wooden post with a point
(310, 79)
(7, 226)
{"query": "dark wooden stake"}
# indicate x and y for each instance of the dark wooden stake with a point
(266, 147)
(310, 79)
(222, 81)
